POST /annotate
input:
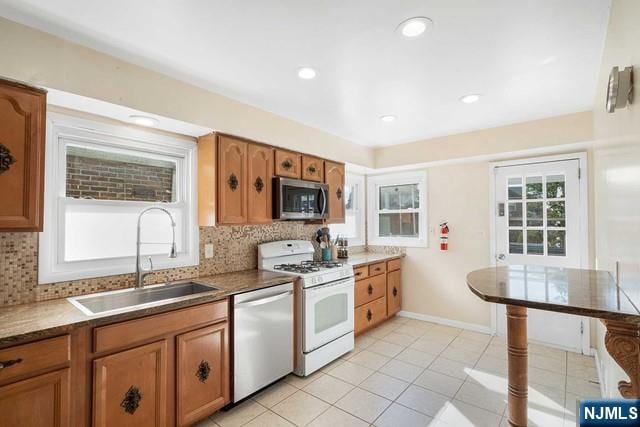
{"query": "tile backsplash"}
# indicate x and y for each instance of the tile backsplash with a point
(235, 249)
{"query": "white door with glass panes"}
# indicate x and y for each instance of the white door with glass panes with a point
(538, 223)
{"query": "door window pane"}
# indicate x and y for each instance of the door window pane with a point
(330, 311)
(105, 175)
(515, 188)
(515, 214)
(534, 214)
(534, 187)
(515, 242)
(555, 214)
(399, 224)
(535, 242)
(556, 242)
(400, 197)
(555, 187)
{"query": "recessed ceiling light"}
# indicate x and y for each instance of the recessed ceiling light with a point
(306, 73)
(413, 27)
(471, 98)
(144, 121)
(388, 118)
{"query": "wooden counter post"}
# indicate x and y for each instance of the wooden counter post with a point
(622, 341)
(517, 363)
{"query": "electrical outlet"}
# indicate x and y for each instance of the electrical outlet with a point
(208, 250)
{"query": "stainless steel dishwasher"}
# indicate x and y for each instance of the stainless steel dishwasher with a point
(263, 338)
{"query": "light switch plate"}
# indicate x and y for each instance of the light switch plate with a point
(208, 250)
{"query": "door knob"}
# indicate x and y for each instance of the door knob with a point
(501, 257)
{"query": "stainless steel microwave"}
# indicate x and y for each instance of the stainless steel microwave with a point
(298, 199)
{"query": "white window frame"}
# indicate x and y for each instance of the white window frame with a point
(373, 195)
(360, 212)
(62, 128)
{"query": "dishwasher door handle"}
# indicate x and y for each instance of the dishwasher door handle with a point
(261, 301)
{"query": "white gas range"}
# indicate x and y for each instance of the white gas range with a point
(324, 299)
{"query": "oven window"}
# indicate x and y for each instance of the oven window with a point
(330, 311)
(301, 199)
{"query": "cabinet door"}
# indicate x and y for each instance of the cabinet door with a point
(394, 295)
(130, 387)
(22, 131)
(232, 175)
(36, 402)
(260, 172)
(312, 169)
(202, 372)
(287, 164)
(334, 177)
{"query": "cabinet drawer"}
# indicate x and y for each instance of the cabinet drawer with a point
(370, 314)
(312, 169)
(34, 357)
(393, 265)
(377, 268)
(361, 272)
(126, 334)
(370, 289)
(288, 164)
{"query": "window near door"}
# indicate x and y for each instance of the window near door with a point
(397, 209)
(536, 215)
(354, 225)
(99, 178)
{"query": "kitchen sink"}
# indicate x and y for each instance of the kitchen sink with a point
(125, 299)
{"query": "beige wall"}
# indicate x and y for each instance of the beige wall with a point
(617, 171)
(571, 128)
(39, 58)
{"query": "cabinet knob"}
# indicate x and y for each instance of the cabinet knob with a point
(287, 164)
(259, 184)
(370, 289)
(131, 400)
(358, 273)
(369, 315)
(395, 291)
(311, 169)
(7, 363)
(339, 193)
(233, 182)
(203, 371)
(6, 159)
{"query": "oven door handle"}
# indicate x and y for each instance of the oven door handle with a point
(261, 301)
(324, 201)
(348, 283)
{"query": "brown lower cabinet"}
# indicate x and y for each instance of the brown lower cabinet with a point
(377, 293)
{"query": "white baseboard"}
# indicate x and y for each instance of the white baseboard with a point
(448, 322)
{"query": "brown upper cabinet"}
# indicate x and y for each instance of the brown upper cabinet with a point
(232, 180)
(22, 133)
(334, 177)
(288, 164)
(260, 174)
(312, 168)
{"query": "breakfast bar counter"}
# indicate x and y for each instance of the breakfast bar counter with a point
(580, 292)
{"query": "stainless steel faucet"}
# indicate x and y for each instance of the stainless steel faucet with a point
(141, 272)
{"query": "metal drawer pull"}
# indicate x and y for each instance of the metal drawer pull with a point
(370, 289)
(7, 363)
(369, 315)
(131, 400)
(204, 369)
(395, 291)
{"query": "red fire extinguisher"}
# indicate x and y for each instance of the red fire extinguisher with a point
(444, 237)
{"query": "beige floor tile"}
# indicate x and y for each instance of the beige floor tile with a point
(363, 342)
(412, 331)
(334, 417)
(483, 397)
(492, 364)
(275, 394)
(582, 387)
(363, 404)
(422, 400)
(301, 382)
(207, 422)
(350, 355)
(553, 364)
(490, 380)
(351, 373)
(332, 365)
(428, 346)
(421, 324)
(384, 385)
(468, 344)
(447, 329)
(398, 320)
(239, 415)
(546, 378)
(438, 336)
(459, 355)
(440, 383)
(398, 415)
(399, 339)
(386, 348)
(328, 388)
(416, 357)
(370, 359)
(451, 368)
(476, 336)
(383, 330)
(586, 372)
(496, 351)
(401, 370)
(460, 414)
(300, 408)
(269, 419)
(543, 350)
(581, 359)
(544, 418)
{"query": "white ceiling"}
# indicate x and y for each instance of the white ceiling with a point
(529, 58)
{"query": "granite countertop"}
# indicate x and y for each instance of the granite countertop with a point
(364, 258)
(28, 322)
(581, 292)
